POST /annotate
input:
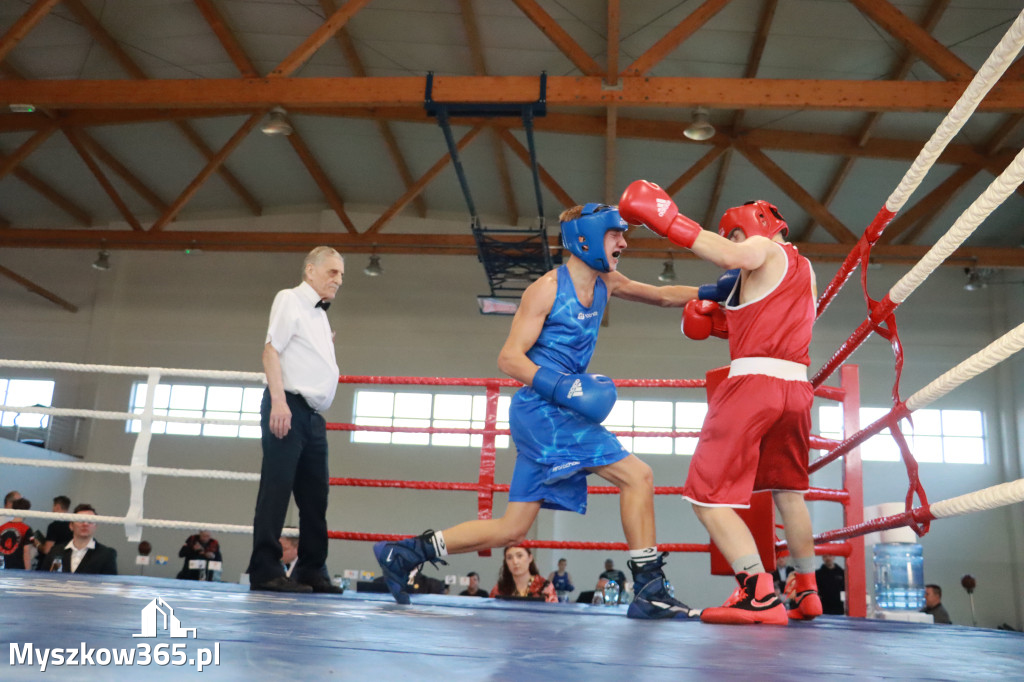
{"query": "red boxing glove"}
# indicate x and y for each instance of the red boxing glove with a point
(702, 319)
(644, 203)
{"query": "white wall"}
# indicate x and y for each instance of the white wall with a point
(209, 310)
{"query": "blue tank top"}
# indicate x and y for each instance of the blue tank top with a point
(567, 341)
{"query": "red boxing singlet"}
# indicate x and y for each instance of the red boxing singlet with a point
(777, 325)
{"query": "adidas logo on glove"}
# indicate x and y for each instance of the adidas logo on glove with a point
(575, 390)
(663, 205)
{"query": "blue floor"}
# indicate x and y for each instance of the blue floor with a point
(263, 636)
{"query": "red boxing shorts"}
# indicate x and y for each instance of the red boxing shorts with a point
(756, 436)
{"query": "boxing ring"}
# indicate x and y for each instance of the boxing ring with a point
(359, 635)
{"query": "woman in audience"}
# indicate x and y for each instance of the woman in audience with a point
(520, 579)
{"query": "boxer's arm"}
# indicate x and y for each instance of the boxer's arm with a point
(527, 324)
(749, 254)
(675, 296)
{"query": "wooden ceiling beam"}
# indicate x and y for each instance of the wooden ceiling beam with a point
(101, 178)
(764, 25)
(90, 118)
(24, 24)
(867, 131)
(36, 289)
(103, 37)
(227, 38)
(561, 39)
(908, 226)
(694, 170)
(794, 191)
(122, 171)
(442, 244)
(422, 183)
(916, 39)
(611, 72)
(11, 162)
(383, 127)
(674, 38)
(53, 196)
(546, 178)
(247, 69)
(585, 124)
(211, 167)
(323, 182)
(476, 53)
(300, 93)
(315, 41)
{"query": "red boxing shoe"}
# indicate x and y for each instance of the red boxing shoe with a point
(754, 601)
(802, 588)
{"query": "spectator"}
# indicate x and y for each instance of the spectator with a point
(16, 536)
(58, 533)
(612, 573)
(831, 586)
(933, 605)
(289, 554)
(83, 554)
(562, 581)
(10, 497)
(474, 586)
(201, 547)
(520, 579)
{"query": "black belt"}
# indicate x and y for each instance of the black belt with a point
(303, 399)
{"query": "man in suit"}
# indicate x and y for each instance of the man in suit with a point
(83, 554)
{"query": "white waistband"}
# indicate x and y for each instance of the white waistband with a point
(773, 367)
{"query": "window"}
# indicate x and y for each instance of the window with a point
(951, 436)
(656, 415)
(25, 392)
(426, 410)
(191, 400)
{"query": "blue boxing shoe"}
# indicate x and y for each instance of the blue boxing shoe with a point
(651, 597)
(398, 560)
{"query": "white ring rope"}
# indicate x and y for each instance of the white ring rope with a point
(989, 356)
(964, 227)
(118, 369)
(125, 468)
(150, 523)
(125, 416)
(980, 500)
(987, 76)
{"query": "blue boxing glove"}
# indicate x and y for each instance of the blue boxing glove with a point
(720, 291)
(591, 395)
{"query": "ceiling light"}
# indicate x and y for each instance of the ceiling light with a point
(700, 129)
(277, 123)
(102, 261)
(668, 274)
(373, 269)
(976, 279)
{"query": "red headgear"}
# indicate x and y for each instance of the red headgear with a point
(754, 217)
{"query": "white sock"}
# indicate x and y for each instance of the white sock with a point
(643, 556)
(437, 540)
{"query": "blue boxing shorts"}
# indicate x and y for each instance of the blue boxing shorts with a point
(556, 447)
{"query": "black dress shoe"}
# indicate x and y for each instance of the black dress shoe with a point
(323, 586)
(280, 584)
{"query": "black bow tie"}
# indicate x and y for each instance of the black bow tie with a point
(323, 304)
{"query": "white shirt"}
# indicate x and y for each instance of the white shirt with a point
(289, 567)
(301, 334)
(78, 554)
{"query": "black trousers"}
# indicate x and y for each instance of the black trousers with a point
(295, 464)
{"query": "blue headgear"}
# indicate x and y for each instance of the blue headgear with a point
(584, 237)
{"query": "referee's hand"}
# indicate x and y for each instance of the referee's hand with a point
(280, 420)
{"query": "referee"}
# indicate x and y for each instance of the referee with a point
(302, 376)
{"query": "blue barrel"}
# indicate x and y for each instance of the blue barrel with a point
(899, 576)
